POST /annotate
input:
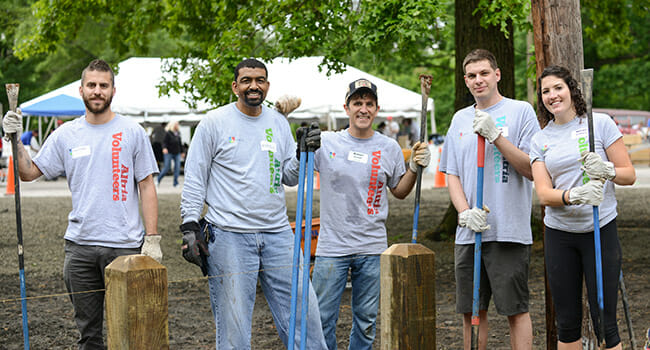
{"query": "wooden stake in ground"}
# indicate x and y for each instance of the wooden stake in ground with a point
(408, 297)
(136, 304)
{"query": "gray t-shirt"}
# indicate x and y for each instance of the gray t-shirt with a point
(236, 165)
(507, 193)
(354, 177)
(559, 147)
(103, 165)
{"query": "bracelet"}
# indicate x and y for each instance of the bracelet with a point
(564, 200)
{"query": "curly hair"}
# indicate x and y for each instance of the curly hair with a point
(576, 96)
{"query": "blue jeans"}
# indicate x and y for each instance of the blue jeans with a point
(236, 261)
(168, 164)
(330, 277)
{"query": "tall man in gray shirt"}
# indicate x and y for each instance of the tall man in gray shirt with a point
(237, 163)
(508, 125)
(109, 165)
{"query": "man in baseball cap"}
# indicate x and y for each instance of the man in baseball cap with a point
(360, 85)
(356, 167)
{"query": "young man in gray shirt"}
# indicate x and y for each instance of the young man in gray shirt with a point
(357, 166)
(508, 125)
(239, 159)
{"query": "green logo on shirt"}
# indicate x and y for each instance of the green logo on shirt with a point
(583, 145)
(275, 175)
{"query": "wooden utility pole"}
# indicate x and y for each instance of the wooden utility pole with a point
(557, 31)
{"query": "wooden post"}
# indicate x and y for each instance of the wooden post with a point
(136, 303)
(408, 297)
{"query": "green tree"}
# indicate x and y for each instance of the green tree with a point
(215, 35)
(13, 70)
(62, 63)
(435, 58)
(395, 40)
(616, 38)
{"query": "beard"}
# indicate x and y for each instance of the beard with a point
(253, 102)
(98, 110)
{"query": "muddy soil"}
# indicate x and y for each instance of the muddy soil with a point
(51, 324)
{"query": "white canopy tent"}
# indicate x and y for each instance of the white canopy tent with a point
(137, 95)
(322, 96)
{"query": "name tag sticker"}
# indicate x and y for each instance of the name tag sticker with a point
(267, 146)
(81, 151)
(504, 131)
(576, 134)
(358, 157)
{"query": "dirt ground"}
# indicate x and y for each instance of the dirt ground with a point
(51, 324)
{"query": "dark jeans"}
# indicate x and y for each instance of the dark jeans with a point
(83, 273)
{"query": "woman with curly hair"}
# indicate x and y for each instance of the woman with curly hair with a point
(569, 180)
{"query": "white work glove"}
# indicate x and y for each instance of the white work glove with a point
(474, 219)
(287, 104)
(12, 123)
(596, 168)
(151, 247)
(420, 155)
(484, 126)
(590, 193)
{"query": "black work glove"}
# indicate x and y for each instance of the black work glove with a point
(312, 138)
(193, 247)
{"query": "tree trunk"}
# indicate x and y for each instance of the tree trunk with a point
(471, 35)
(557, 30)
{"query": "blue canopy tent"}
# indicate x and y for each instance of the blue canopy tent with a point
(59, 106)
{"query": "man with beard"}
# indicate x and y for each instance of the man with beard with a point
(239, 159)
(107, 159)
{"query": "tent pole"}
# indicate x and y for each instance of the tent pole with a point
(434, 127)
(40, 132)
(49, 126)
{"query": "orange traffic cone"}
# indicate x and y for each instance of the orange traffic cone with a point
(439, 180)
(11, 189)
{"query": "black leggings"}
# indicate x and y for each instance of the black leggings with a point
(570, 255)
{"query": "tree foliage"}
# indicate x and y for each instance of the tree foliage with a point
(616, 38)
(215, 35)
(395, 40)
(499, 13)
(13, 70)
